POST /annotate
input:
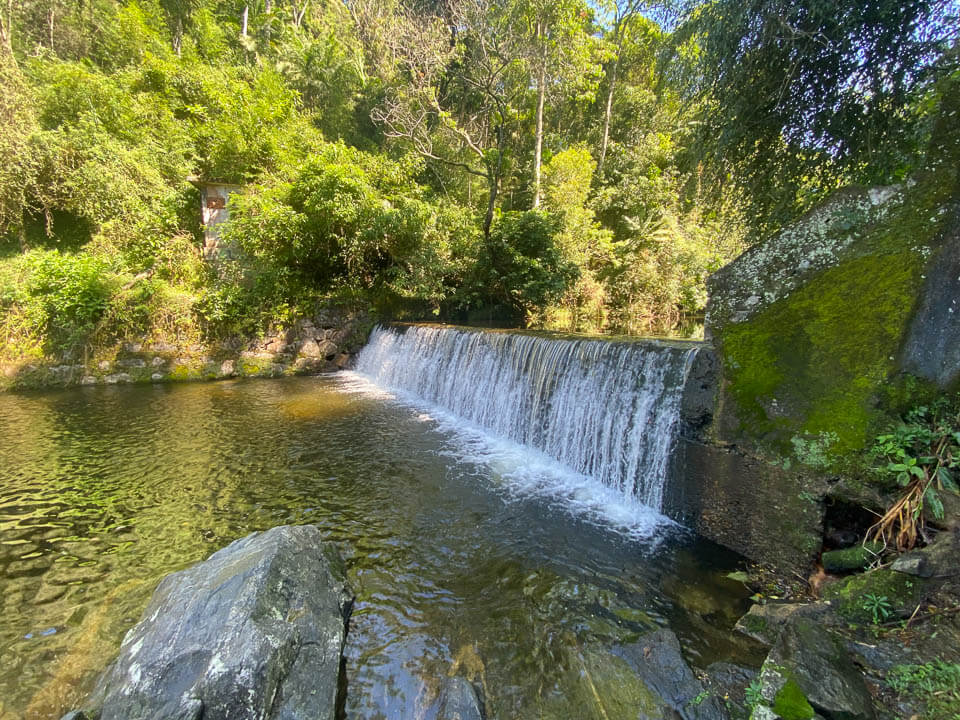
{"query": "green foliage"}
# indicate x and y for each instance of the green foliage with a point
(925, 444)
(919, 458)
(522, 266)
(878, 606)
(754, 693)
(109, 105)
(834, 93)
(58, 297)
(937, 684)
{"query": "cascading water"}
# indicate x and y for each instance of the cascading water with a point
(608, 410)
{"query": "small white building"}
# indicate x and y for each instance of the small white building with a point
(215, 209)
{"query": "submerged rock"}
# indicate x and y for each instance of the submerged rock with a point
(459, 701)
(254, 631)
(657, 661)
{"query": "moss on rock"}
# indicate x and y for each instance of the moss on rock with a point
(791, 704)
(810, 325)
(811, 363)
(849, 596)
(851, 558)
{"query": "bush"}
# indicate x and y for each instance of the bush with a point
(62, 298)
(522, 267)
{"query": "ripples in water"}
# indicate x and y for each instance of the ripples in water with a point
(465, 553)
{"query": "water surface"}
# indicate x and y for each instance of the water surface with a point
(457, 568)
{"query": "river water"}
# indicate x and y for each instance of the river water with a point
(468, 553)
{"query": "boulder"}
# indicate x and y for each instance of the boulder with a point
(310, 349)
(932, 348)
(938, 559)
(899, 591)
(658, 663)
(765, 622)
(254, 631)
(643, 680)
(808, 673)
(729, 681)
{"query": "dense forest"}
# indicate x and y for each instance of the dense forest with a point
(563, 164)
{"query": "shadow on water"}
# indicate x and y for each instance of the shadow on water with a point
(105, 490)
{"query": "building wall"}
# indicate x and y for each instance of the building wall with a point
(214, 199)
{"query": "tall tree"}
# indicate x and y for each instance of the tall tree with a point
(562, 51)
(622, 12)
(818, 92)
(461, 80)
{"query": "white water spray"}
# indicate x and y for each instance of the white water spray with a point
(608, 410)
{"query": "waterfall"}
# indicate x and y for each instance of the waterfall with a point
(605, 409)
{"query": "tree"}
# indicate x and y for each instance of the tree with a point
(798, 97)
(623, 12)
(562, 52)
(461, 80)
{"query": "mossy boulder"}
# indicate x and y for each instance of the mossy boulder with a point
(824, 334)
(809, 674)
(764, 623)
(647, 680)
(809, 324)
(851, 597)
(857, 557)
(812, 324)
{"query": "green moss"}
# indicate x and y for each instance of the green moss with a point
(812, 362)
(820, 359)
(847, 596)
(852, 558)
(754, 623)
(791, 704)
(182, 372)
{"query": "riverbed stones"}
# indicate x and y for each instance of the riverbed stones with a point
(253, 632)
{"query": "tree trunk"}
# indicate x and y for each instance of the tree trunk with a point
(538, 147)
(50, 18)
(6, 28)
(246, 13)
(608, 113)
(177, 40)
(493, 181)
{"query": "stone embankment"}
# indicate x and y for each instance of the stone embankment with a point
(326, 342)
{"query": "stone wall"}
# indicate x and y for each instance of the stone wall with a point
(325, 342)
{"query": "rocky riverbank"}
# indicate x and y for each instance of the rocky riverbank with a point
(325, 342)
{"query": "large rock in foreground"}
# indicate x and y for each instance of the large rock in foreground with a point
(255, 631)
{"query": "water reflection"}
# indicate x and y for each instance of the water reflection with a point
(105, 490)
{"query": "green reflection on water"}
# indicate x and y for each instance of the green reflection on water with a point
(105, 490)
